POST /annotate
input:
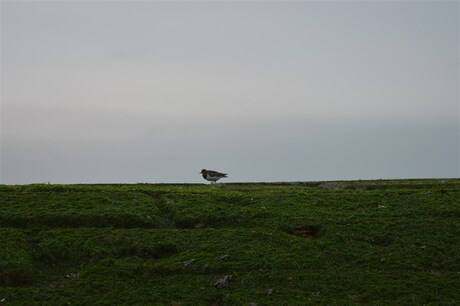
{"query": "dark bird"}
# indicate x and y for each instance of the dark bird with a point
(212, 176)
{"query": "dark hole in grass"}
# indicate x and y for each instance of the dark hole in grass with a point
(164, 250)
(383, 240)
(305, 231)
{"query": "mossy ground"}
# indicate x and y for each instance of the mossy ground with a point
(361, 242)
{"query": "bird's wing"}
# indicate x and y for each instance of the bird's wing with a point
(215, 173)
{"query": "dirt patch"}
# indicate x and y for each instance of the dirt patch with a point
(168, 201)
(200, 224)
(306, 231)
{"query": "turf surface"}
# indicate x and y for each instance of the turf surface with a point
(360, 242)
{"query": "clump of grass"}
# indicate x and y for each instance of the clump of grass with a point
(89, 245)
(64, 207)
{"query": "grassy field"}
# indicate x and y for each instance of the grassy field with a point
(331, 243)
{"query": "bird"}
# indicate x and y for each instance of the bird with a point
(212, 176)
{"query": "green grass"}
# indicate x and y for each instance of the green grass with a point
(15, 265)
(347, 243)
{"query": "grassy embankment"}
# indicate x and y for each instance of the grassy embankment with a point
(362, 242)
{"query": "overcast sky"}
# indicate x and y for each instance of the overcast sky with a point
(100, 92)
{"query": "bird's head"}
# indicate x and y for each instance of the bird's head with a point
(203, 171)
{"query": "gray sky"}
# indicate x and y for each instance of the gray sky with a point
(96, 92)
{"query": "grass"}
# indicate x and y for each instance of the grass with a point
(347, 243)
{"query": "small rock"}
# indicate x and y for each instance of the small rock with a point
(205, 268)
(200, 224)
(225, 257)
(269, 291)
(188, 262)
(223, 282)
(290, 280)
(252, 304)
